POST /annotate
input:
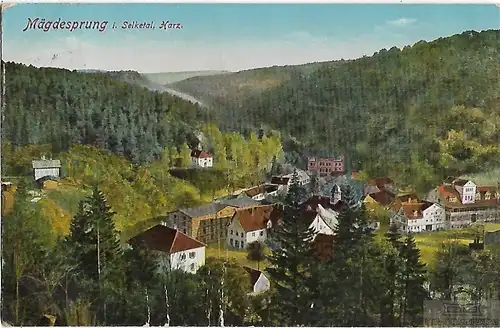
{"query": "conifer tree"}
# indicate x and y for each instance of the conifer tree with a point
(292, 261)
(314, 185)
(413, 279)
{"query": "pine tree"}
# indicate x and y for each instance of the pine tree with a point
(393, 264)
(413, 279)
(350, 285)
(314, 185)
(292, 261)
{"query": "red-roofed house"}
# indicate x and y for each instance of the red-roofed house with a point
(201, 158)
(419, 216)
(466, 203)
(251, 224)
(259, 283)
(184, 253)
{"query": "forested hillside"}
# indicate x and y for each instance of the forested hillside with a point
(62, 107)
(230, 88)
(422, 112)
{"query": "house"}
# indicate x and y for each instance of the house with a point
(419, 217)
(323, 246)
(259, 283)
(466, 203)
(304, 178)
(180, 251)
(321, 213)
(251, 224)
(382, 198)
(409, 197)
(206, 223)
(281, 183)
(201, 158)
(46, 168)
(326, 166)
(260, 192)
(379, 184)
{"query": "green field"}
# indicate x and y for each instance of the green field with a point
(239, 256)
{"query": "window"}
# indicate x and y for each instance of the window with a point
(253, 234)
(184, 230)
(192, 255)
(191, 267)
(231, 232)
(231, 241)
(236, 243)
(242, 234)
(242, 244)
(183, 256)
(262, 233)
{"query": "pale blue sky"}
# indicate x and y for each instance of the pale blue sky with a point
(230, 36)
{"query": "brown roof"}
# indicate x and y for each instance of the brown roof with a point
(280, 180)
(253, 275)
(200, 154)
(165, 239)
(252, 192)
(256, 218)
(410, 209)
(383, 197)
(460, 182)
(405, 197)
(446, 192)
(323, 246)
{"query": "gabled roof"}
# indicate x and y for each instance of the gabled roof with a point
(165, 239)
(240, 202)
(203, 210)
(383, 197)
(256, 218)
(253, 275)
(46, 163)
(460, 182)
(200, 154)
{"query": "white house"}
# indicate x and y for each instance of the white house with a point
(46, 168)
(304, 178)
(419, 217)
(259, 283)
(181, 251)
(466, 190)
(322, 220)
(251, 224)
(201, 159)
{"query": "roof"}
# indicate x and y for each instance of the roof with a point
(383, 197)
(409, 209)
(256, 218)
(240, 202)
(407, 196)
(200, 154)
(252, 192)
(46, 163)
(316, 200)
(460, 182)
(253, 275)
(446, 192)
(165, 239)
(203, 210)
(280, 180)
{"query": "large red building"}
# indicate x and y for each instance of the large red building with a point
(326, 166)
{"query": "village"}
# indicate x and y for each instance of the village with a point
(237, 221)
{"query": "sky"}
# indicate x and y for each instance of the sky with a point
(228, 36)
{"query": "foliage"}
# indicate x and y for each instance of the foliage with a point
(256, 252)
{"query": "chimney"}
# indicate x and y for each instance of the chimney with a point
(43, 157)
(415, 213)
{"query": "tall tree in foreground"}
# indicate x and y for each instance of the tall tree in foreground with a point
(351, 288)
(413, 279)
(256, 252)
(97, 251)
(292, 261)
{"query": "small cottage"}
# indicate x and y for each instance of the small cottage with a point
(182, 252)
(259, 283)
(201, 158)
(46, 168)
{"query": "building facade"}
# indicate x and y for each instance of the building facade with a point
(46, 168)
(201, 159)
(326, 166)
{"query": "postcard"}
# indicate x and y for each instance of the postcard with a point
(250, 165)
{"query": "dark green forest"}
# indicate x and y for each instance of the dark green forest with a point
(428, 110)
(62, 107)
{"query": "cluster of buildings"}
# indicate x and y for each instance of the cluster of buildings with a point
(456, 203)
